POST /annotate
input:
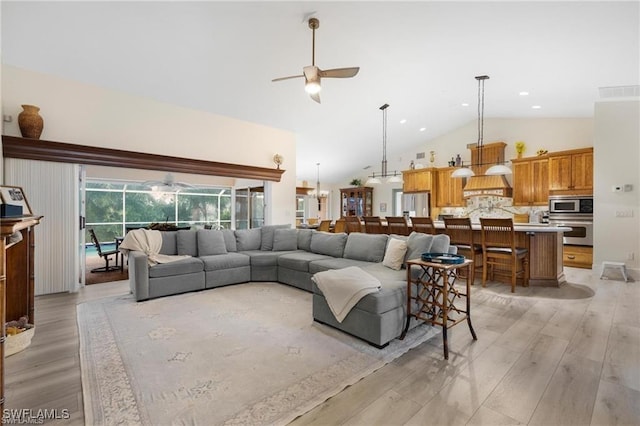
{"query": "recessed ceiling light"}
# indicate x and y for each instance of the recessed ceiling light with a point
(523, 93)
(422, 129)
(404, 120)
(465, 104)
(536, 107)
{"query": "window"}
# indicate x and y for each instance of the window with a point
(112, 207)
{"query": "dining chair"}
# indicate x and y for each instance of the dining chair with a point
(341, 226)
(353, 224)
(500, 256)
(324, 226)
(423, 224)
(397, 225)
(460, 235)
(373, 225)
(106, 255)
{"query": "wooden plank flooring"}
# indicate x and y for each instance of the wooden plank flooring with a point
(542, 358)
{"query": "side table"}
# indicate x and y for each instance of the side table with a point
(436, 295)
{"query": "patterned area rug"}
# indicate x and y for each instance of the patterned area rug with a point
(243, 354)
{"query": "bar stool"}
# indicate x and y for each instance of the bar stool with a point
(352, 224)
(397, 225)
(461, 235)
(373, 225)
(499, 252)
(423, 224)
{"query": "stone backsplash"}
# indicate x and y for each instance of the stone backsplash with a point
(491, 206)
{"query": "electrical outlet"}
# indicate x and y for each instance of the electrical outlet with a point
(631, 256)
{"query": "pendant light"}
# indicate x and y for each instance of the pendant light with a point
(391, 178)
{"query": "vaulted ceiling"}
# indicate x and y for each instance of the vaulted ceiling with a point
(420, 57)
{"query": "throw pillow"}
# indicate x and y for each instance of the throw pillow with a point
(418, 243)
(440, 244)
(229, 240)
(210, 242)
(285, 239)
(304, 239)
(248, 239)
(394, 256)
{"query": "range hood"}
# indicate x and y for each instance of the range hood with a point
(480, 184)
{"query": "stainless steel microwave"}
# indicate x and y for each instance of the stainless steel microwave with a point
(569, 205)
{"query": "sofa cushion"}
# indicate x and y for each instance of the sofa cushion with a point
(179, 267)
(299, 260)
(187, 242)
(210, 242)
(335, 263)
(304, 239)
(229, 239)
(418, 243)
(394, 255)
(328, 243)
(169, 243)
(285, 239)
(225, 261)
(268, 231)
(265, 258)
(248, 239)
(440, 244)
(367, 247)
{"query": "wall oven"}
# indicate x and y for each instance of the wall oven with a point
(575, 212)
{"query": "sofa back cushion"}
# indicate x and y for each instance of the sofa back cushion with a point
(285, 239)
(440, 243)
(267, 233)
(210, 242)
(187, 242)
(367, 247)
(248, 239)
(169, 243)
(230, 240)
(304, 239)
(418, 243)
(328, 244)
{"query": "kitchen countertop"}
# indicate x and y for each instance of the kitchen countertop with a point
(519, 227)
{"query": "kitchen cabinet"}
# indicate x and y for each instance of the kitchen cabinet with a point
(530, 181)
(357, 201)
(578, 256)
(571, 172)
(418, 180)
(448, 190)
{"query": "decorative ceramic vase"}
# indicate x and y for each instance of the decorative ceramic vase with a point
(30, 122)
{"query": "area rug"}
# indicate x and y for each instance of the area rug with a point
(243, 354)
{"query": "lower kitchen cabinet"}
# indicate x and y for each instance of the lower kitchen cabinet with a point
(578, 256)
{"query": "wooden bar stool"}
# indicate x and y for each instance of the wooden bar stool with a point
(373, 225)
(500, 256)
(397, 225)
(461, 235)
(423, 224)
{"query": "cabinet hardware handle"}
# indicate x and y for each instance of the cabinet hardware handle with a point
(571, 257)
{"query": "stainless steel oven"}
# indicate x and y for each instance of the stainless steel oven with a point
(581, 233)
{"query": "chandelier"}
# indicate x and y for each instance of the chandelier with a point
(498, 169)
(394, 177)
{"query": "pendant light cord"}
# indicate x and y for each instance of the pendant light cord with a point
(480, 144)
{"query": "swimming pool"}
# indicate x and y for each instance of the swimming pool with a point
(90, 249)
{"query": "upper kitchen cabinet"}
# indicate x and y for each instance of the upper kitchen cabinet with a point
(571, 172)
(418, 180)
(530, 181)
(448, 189)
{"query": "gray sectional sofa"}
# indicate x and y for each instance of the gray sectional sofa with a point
(289, 256)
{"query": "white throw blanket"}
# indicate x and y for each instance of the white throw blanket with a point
(343, 288)
(149, 242)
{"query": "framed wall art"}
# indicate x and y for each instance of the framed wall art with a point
(14, 196)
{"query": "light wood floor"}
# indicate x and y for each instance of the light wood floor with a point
(542, 357)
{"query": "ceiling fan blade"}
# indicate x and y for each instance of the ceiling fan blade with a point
(339, 72)
(315, 97)
(287, 78)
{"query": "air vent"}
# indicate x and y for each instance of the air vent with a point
(419, 155)
(619, 92)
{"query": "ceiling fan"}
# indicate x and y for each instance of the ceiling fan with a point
(312, 74)
(169, 184)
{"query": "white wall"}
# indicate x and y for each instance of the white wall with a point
(616, 162)
(78, 113)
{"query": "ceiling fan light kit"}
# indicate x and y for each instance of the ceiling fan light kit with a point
(312, 74)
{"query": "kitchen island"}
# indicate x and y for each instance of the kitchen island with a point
(545, 247)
